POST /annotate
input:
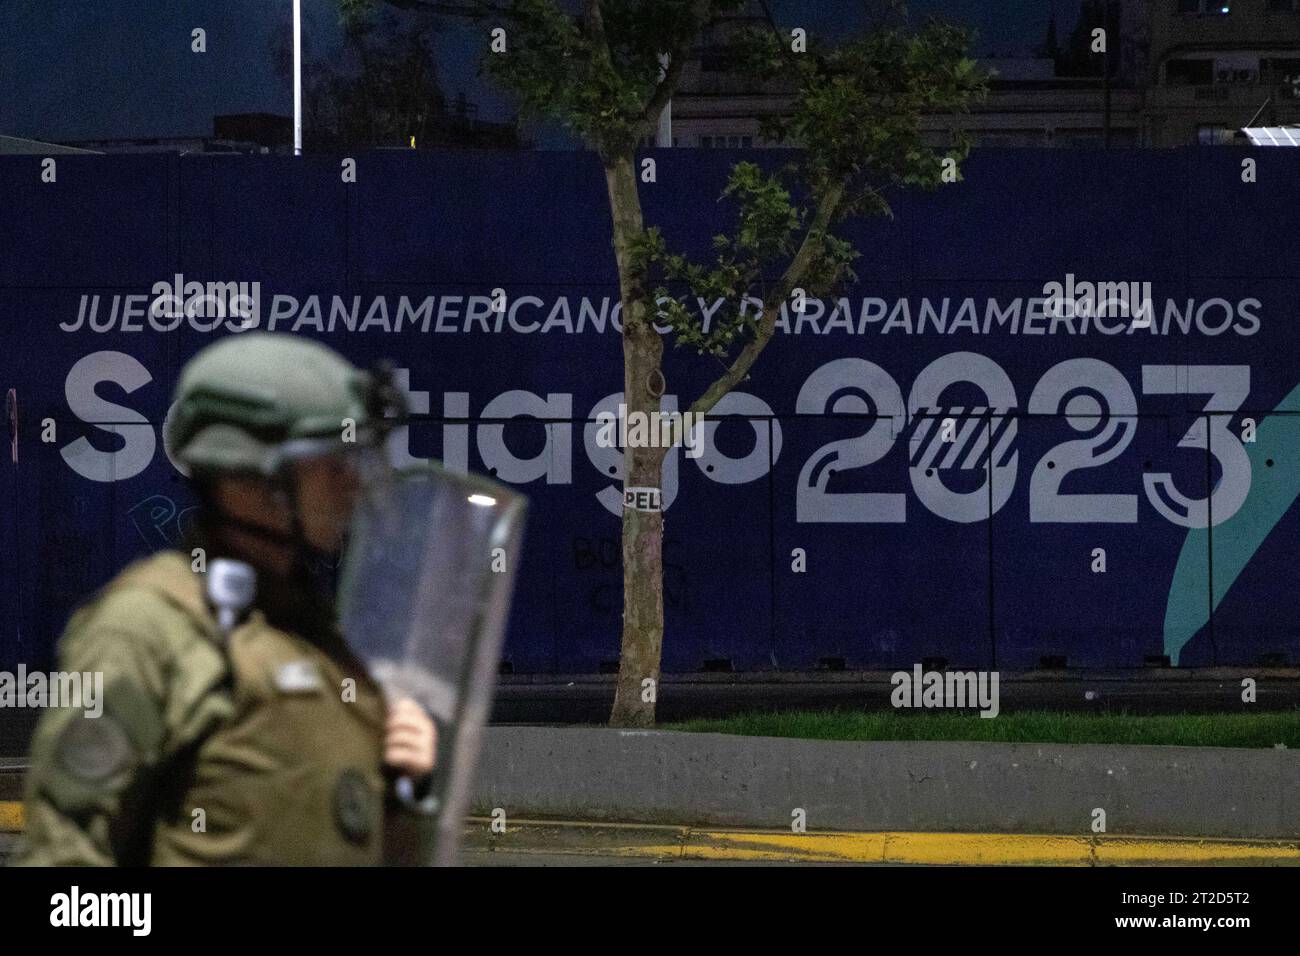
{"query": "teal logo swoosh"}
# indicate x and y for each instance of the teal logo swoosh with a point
(1272, 493)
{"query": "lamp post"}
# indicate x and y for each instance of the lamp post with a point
(664, 134)
(1105, 74)
(297, 77)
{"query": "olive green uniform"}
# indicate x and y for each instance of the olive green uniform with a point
(260, 747)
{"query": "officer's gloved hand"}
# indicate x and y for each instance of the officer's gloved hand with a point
(410, 746)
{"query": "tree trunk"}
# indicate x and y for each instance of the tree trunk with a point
(643, 589)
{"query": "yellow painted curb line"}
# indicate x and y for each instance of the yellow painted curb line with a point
(935, 849)
(981, 849)
(915, 848)
(11, 816)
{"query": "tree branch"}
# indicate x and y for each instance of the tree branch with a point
(677, 56)
(596, 24)
(471, 9)
(808, 249)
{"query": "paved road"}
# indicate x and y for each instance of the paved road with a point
(588, 700)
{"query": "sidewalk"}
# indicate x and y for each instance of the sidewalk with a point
(597, 795)
(722, 781)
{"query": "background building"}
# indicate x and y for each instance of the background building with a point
(1214, 66)
(1179, 72)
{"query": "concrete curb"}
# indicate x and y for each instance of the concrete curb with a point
(548, 840)
(718, 780)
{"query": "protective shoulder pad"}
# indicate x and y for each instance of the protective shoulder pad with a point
(168, 575)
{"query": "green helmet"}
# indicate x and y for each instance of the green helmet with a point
(253, 400)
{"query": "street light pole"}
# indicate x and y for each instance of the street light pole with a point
(297, 77)
(1105, 75)
(664, 134)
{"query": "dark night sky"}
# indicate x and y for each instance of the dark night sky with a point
(83, 69)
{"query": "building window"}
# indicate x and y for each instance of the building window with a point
(1215, 135)
(1278, 71)
(1189, 72)
(718, 61)
(746, 142)
(706, 142)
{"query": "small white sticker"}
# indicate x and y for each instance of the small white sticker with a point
(643, 499)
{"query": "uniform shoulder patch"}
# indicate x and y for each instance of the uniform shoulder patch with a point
(94, 748)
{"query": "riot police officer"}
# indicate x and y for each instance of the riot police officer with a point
(238, 730)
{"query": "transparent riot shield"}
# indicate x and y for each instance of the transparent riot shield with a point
(424, 598)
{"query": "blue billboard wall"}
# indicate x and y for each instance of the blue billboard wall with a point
(926, 465)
